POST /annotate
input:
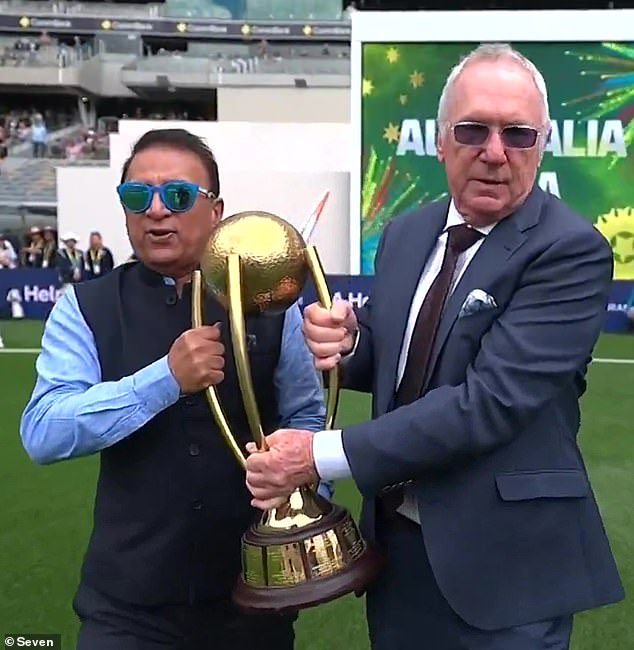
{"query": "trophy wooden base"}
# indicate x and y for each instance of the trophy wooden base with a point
(289, 569)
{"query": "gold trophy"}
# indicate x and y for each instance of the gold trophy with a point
(309, 551)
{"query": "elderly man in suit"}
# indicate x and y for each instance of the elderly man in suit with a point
(474, 344)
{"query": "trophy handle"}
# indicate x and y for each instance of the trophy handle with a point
(239, 340)
(323, 293)
(211, 392)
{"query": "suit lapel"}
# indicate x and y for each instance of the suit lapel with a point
(414, 248)
(498, 246)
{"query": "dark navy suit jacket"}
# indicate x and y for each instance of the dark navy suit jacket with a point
(509, 519)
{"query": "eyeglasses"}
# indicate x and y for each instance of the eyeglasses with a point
(177, 196)
(476, 134)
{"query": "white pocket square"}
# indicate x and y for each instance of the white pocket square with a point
(477, 301)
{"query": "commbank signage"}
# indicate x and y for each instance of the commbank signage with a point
(191, 29)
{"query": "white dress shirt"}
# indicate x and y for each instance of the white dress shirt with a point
(330, 459)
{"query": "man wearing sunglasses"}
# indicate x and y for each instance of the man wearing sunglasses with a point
(484, 312)
(122, 373)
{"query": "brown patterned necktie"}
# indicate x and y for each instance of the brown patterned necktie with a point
(459, 239)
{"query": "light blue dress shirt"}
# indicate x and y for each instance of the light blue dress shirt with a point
(73, 413)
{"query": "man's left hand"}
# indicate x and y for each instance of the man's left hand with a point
(288, 464)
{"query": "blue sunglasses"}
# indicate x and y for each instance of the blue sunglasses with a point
(177, 196)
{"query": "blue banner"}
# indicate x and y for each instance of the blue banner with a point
(37, 290)
(357, 289)
(621, 301)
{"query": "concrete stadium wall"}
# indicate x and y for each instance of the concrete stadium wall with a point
(284, 104)
(257, 146)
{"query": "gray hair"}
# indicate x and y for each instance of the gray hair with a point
(492, 52)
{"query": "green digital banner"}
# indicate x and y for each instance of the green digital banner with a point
(589, 160)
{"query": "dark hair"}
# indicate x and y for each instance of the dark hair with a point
(177, 139)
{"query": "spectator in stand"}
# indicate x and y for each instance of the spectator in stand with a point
(49, 252)
(74, 148)
(349, 10)
(32, 252)
(99, 260)
(23, 130)
(4, 150)
(39, 136)
(8, 256)
(70, 261)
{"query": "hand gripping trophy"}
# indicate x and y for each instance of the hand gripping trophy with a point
(309, 551)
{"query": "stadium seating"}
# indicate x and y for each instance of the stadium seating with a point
(34, 181)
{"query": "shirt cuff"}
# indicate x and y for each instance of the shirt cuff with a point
(326, 489)
(355, 345)
(328, 455)
(155, 386)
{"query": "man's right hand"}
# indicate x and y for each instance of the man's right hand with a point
(330, 334)
(196, 358)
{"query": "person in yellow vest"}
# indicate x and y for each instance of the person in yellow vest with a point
(98, 258)
(70, 261)
(49, 250)
(31, 254)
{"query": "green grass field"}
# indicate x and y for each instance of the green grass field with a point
(46, 511)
